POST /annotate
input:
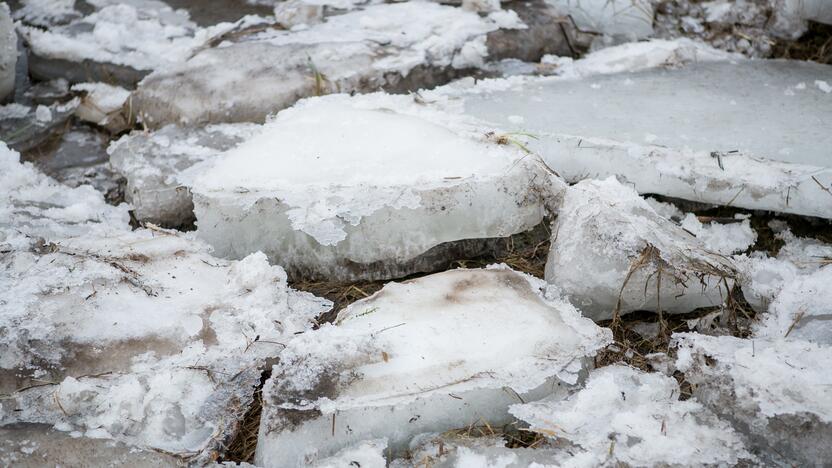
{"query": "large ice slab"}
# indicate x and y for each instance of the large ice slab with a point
(426, 355)
(612, 252)
(774, 391)
(398, 47)
(374, 186)
(152, 162)
(137, 336)
(626, 416)
(744, 133)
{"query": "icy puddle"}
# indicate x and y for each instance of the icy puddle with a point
(752, 134)
(432, 354)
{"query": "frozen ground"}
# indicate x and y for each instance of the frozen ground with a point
(460, 234)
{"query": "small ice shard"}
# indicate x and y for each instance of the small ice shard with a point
(152, 162)
(346, 188)
(102, 105)
(629, 19)
(766, 150)
(426, 355)
(630, 417)
(774, 392)
(140, 335)
(611, 251)
(37, 445)
(393, 46)
(8, 52)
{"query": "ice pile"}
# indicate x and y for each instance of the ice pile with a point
(120, 41)
(375, 186)
(426, 355)
(152, 162)
(399, 46)
(769, 148)
(612, 252)
(138, 336)
(626, 416)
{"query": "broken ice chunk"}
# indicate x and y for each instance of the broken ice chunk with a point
(393, 46)
(151, 163)
(346, 188)
(102, 105)
(722, 133)
(8, 52)
(774, 392)
(612, 252)
(138, 336)
(626, 416)
(630, 19)
(431, 354)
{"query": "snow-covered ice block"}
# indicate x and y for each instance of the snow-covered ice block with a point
(775, 392)
(121, 41)
(151, 163)
(38, 445)
(394, 46)
(626, 416)
(102, 105)
(630, 19)
(745, 133)
(374, 186)
(790, 18)
(426, 355)
(611, 251)
(138, 336)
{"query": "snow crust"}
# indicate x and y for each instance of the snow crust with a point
(623, 415)
(424, 355)
(138, 336)
(337, 183)
(637, 259)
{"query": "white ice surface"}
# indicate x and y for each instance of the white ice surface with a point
(624, 415)
(609, 245)
(337, 183)
(425, 355)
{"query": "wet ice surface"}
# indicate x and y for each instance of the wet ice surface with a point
(659, 129)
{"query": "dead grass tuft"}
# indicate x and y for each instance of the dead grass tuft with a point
(815, 45)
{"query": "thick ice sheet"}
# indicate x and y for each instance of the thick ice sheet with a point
(362, 187)
(430, 354)
(748, 133)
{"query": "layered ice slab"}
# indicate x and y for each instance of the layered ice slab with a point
(745, 133)
(152, 162)
(774, 391)
(397, 47)
(630, 417)
(612, 252)
(426, 355)
(137, 336)
(374, 186)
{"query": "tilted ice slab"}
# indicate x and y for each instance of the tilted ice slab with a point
(118, 40)
(397, 47)
(426, 355)
(367, 187)
(151, 163)
(774, 391)
(752, 134)
(611, 251)
(626, 416)
(138, 336)
(631, 19)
